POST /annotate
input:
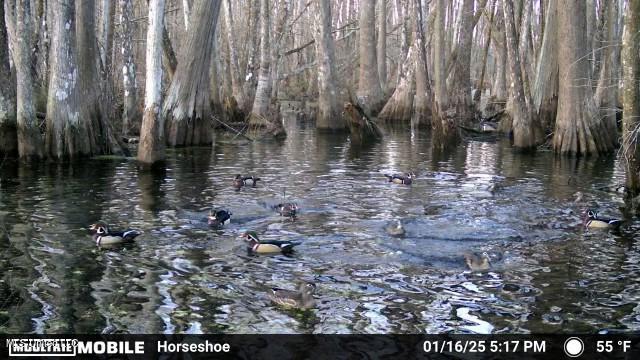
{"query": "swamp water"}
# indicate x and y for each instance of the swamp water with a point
(547, 276)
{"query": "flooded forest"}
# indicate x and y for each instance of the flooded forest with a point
(319, 166)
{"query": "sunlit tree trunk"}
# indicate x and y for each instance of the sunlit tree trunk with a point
(131, 112)
(631, 104)
(236, 74)
(369, 93)
(152, 143)
(29, 139)
(262, 100)
(186, 109)
(525, 134)
(578, 128)
(328, 110)
(381, 49)
(461, 85)
(8, 137)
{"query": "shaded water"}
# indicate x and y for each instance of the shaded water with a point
(547, 276)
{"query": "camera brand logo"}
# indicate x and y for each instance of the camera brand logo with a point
(42, 347)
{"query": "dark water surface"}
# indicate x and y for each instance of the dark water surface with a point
(547, 276)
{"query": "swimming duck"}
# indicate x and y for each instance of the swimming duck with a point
(218, 218)
(240, 181)
(592, 220)
(406, 178)
(301, 299)
(477, 262)
(267, 246)
(103, 236)
(287, 209)
(395, 228)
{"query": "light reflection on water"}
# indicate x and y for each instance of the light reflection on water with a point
(182, 277)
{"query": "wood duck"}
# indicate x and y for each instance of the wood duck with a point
(103, 236)
(300, 299)
(477, 262)
(406, 178)
(395, 228)
(287, 209)
(240, 181)
(218, 218)
(267, 246)
(592, 220)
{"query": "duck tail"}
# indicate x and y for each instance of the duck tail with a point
(389, 177)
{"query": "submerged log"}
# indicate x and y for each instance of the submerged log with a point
(360, 126)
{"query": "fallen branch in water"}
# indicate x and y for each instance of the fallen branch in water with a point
(238, 133)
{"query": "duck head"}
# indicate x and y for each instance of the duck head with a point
(99, 228)
(307, 288)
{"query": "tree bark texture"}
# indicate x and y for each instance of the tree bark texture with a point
(131, 113)
(67, 134)
(460, 95)
(328, 111)
(186, 109)
(606, 95)
(369, 93)
(525, 134)
(381, 48)
(152, 143)
(29, 139)
(631, 78)
(443, 121)
(96, 108)
(236, 74)
(578, 129)
(545, 88)
(422, 100)
(261, 102)
(8, 137)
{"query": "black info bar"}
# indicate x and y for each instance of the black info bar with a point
(261, 346)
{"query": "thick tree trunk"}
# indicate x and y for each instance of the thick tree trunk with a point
(131, 112)
(262, 101)
(578, 128)
(29, 139)
(152, 143)
(236, 74)
(525, 134)
(400, 106)
(106, 25)
(67, 134)
(186, 109)
(369, 93)
(422, 100)
(95, 107)
(500, 82)
(8, 137)
(631, 78)
(251, 78)
(545, 89)
(328, 111)
(460, 96)
(606, 95)
(443, 121)
(381, 48)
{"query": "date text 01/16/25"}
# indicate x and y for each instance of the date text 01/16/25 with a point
(483, 346)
